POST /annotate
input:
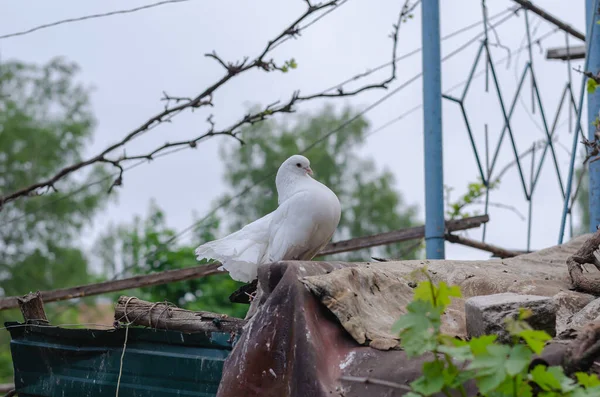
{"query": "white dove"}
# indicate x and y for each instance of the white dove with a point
(303, 223)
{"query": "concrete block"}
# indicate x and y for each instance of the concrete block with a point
(486, 314)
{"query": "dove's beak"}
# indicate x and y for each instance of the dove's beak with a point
(309, 170)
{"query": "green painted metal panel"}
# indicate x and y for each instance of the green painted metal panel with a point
(58, 362)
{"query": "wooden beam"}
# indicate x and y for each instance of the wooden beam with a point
(551, 18)
(189, 273)
(497, 251)
(147, 280)
(32, 308)
(131, 310)
(411, 233)
(562, 53)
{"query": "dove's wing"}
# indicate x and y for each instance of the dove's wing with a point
(299, 229)
(241, 252)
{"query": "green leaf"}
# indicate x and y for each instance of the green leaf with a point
(432, 380)
(489, 381)
(489, 367)
(479, 344)
(418, 328)
(535, 339)
(440, 295)
(445, 293)
(566, 383)
(546, 378)
(591, 86)
(425, 291)
(587, 380)
(458, 353)
(518, 359)
(524, 313)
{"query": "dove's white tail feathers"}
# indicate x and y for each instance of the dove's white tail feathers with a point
(241, 252)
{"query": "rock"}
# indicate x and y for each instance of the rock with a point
(586, 315)
(486, 314)
(568, 303)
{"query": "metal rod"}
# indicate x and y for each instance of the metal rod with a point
(551, 18)
(487, 178)
(591, 24)
(432, 123)
(593, 110)
(472, 72)
(530, 60)
(507, 123)
(487, 56)
(530, 209)
(568, 46)
(505, 127)
(473, 145)
(549, 142)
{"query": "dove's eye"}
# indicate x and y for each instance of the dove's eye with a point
(298, 165)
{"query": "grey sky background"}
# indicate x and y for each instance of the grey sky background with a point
(130, 59)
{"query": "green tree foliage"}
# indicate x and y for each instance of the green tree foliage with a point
(370, 202)
(148, 245)
(45, 123)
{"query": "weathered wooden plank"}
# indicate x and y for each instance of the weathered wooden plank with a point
(32, 308)
(396, 236)
(147, 280)
(131, 310)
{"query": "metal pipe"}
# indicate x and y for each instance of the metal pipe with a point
(551, 18)
(432, 134)
(566, 207)
(593, 111)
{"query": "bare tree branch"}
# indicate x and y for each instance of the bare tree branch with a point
(374, 381)
(174, 105)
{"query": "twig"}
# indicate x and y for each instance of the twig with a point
(511, 208)
(497, 251)
(205, 99)
(584, 350)
(575, 263)
(374, 381)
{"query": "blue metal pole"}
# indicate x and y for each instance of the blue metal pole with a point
(593, 110)
(591, 31)
(432, 134)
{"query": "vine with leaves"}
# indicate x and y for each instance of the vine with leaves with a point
(498, 370)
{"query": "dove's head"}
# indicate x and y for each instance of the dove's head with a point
(298, 165)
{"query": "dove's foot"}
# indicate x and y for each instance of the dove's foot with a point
(251, 296)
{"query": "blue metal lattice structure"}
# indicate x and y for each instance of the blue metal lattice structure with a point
(486, 169)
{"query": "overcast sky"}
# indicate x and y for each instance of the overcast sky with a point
(131, 59)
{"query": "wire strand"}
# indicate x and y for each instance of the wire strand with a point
(86, 17)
